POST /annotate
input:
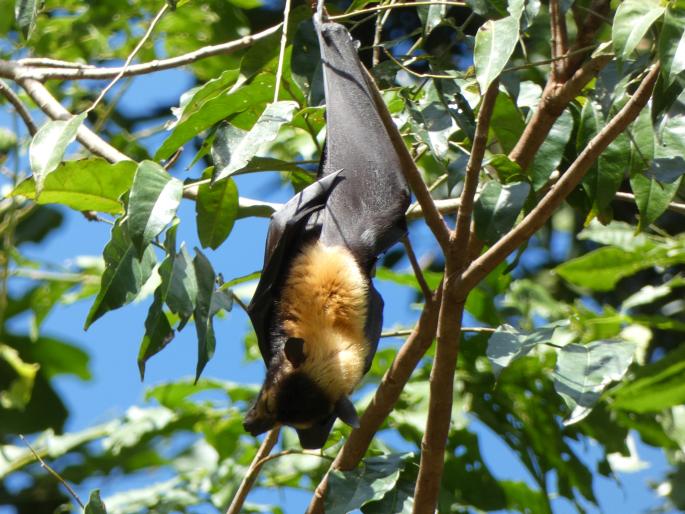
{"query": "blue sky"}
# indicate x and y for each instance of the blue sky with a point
(113, 340)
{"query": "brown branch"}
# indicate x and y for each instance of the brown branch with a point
(416, 267)
(249, 479)
(559, 39)
(449, 324)
(555, 98)
(19, 107)
(386, 396)
(55, 110)
(558, 193)
(16, 70)
(587, 33)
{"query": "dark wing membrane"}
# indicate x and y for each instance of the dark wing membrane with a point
(316, 436)
(365, 213)
(287, 229)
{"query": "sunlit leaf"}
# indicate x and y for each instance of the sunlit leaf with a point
(216, 208)
(48, 146)
(124, 274)
(206, 340)
(632, 21)
(584, 371)
(155, 196)
(495, 43)
(95, 504)
(350, 490)
(90, 184)
(497, 207)
(233, 150)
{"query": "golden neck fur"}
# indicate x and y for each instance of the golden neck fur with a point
(324, 302)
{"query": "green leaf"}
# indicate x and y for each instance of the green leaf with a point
(231, 153)
(431, 16)
(216, 208)
(192, 100)
(155, 196)
(434, 121)
(672, 43)
(95, 505)
(497, 207)
(584, 371)
(616, 233)
(8, 140)
(612, 165)
(182, 293)
(652, 197)
(632, 21)
(206, 340)
(495, 43)
(124, 274)
(158, 331)
(25, 12)
(601, 269)
(350, 490)
(247, 97)
(508, 344)
(549, 156)
(507, 122)
(48, 146)
(91, 184)
(655, 387)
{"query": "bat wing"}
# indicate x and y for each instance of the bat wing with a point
(288, 228)
(365, 213)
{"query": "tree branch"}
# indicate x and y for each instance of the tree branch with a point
(558, 193)
(555, 98)
(19, 107)
(559, 39)
(385, 398)
(416, 267)
(449, 324)
(630, 198)
(133, 53)
(50, 106)
(255, 466)
(16, 70)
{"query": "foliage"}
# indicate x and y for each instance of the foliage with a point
(580, 328)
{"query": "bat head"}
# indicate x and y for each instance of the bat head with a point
(289, 396)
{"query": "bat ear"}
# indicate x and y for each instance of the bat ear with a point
(294, 351)
(345, 410)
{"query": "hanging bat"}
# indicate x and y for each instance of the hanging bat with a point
(316, 313)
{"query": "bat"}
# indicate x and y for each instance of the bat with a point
(316, 312)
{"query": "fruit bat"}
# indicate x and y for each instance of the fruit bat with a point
(315, 311)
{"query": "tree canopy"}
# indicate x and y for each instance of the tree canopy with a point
(548, 227)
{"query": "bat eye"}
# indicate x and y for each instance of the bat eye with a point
(294, 351)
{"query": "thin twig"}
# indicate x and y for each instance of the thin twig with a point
(471, 330)
(249, 479)
(418, 272)
(395, 6)
(54, 473)
(415, 73)
(16, 71)
(281, 54)
(559, 39)
(630, 198)
(57, 63)
(550, 61)
(127, 63)
(19, 107)
(381, 18)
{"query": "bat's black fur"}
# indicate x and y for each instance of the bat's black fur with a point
(316, 312)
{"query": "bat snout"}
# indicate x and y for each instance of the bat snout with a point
(256, 423)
